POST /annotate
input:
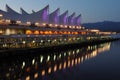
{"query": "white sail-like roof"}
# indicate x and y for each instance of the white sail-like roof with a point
(13, 15)
(78, 20)
(54, 16)
(23, 12)
(71, 19)
(42, 16)
(63, 18)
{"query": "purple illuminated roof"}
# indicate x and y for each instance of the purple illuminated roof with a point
(71, 19)
(42, 16)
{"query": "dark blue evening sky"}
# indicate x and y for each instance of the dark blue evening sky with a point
(91, 10)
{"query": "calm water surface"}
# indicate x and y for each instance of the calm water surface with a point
(91, 62)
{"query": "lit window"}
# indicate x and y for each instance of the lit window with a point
(37, 24)
(56, 25)
(70, 26)
(73, 26)
(50, 24)
(1, 15)
(28, 32)
(18, 22)
(61, 25)
(28, 23)
(7, 21)
(36, 32)
(44, 24)
(65, 26)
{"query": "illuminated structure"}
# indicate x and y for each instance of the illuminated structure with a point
(78, 20)
(63, 19)
(42, 16)
(71, 20)
(41, 29)
(54, 17)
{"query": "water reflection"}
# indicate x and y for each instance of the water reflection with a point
(36, 67)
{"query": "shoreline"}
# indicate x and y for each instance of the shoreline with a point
(57, 48)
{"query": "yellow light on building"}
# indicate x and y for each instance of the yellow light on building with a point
(37, 24)
(18, 22)
(7, 21)
(94, 30)
(8, 32)
(1, 15)
(28, 23)
(50, 25)
(41, 32)
(61, 25)
(1, 31)
(46, 32)
(65, 26)
(73, 26)
(36, 32)
(44, 24)
(70, 26)
(23, 42)
(79, 27)
(28, 32)
(56, 25)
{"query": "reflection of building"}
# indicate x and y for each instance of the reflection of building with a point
(39, 66)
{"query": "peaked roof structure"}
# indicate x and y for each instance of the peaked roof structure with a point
(78, 20)
(42, 16)
(33, 11)
(10, 10)
(54, 16)
(23, 12)
(71, 19)
(11, 14)
(63, 19)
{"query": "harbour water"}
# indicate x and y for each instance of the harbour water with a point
(92, 62)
